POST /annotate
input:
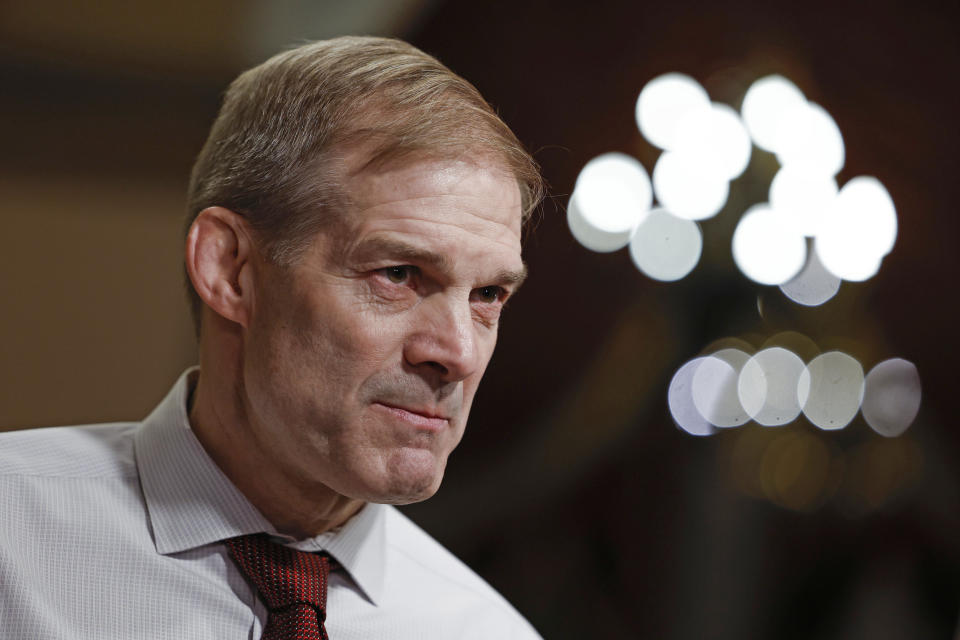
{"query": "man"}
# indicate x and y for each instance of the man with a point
(354, 231)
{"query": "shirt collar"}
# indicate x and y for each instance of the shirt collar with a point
(360, 545)
(191, 502)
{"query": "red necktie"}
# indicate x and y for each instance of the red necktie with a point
(292, 583)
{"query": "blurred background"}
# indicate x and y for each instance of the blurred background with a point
(574, 492)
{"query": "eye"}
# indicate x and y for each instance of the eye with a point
(398, 274)
(489, 295)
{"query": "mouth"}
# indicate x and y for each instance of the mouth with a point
(420, 417)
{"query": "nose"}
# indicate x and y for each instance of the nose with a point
(444, 340)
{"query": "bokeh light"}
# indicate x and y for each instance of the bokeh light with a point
(809, 140)
(859, 231)
(803, 197)
(665, 247)
(764, 105)
(730, 342)
(767, 249)
(591, 237)
(768, 386)
(680, 400)
(715, 388)
(663, 102)
(611, 197)
(891, 397)
(830, 390)
(688, 187)
(802, 345)
(715, 135)
(814, 285)
(708, 144)
(879, 469)
(869, 203)
(613, 192)
(797, 470)
(841, 253)
(728, 387)
(794, 468)
(809, 238)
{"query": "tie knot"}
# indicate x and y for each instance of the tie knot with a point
(282, 575)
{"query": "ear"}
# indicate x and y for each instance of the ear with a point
(219, 260)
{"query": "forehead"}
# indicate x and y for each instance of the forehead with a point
(471, 206)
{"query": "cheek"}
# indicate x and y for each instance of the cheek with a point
(320, 351)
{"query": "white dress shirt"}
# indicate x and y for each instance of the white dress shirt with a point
(114, 531)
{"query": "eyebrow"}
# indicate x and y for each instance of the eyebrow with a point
(410, 253)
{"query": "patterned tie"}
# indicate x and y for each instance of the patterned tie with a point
(292, 583)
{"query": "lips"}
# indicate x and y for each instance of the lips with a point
(419, 416)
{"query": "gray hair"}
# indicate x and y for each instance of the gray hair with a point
(270, 153)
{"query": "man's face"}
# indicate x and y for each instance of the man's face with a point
(362, 360)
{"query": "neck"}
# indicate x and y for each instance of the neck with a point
(297, 509)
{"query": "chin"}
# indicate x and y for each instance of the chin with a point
(410, 481)
(403, 500)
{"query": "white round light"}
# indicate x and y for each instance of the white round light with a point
(814, 285)
(803, 197)
(591, 237)
(869, 204)
(808, 138)
(830, 390)
(842, 256)
(859, 231)
(680, 401)
(688, 187)
(768, 386)
(891, 397)
(716, 136)
(764, 104)
(766, 248)
(663, 102)
(665, 247)
(613, 192)
(715, 388)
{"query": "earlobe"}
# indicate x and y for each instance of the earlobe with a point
(218, 260)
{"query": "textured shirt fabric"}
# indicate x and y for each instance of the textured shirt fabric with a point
(115, 531)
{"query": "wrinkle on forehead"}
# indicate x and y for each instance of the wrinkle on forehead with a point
(445, 172)
(483, 191)
(442, 220)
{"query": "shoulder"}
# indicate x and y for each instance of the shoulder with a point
(85, 451)
(436, 567)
